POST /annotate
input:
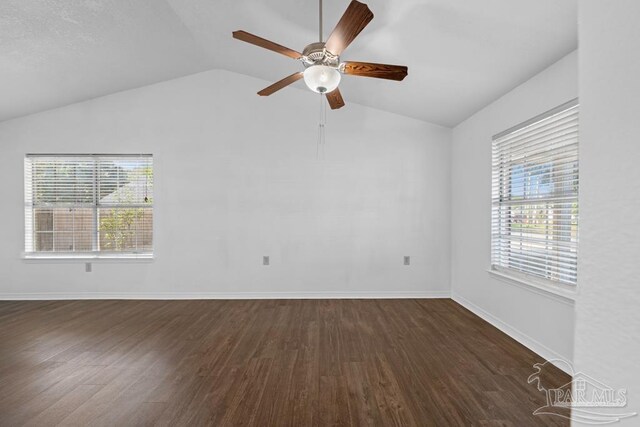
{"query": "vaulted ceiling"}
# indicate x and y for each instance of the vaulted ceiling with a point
(462, 54)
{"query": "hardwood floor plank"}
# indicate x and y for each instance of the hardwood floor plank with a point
(55, 413)
(262, 362)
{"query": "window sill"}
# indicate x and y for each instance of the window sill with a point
(560, 292)
(85, 258)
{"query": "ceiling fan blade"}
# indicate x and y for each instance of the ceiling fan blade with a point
(379, 71)
(280, 84)
(259, 41)
(354, 19)
(335, 99)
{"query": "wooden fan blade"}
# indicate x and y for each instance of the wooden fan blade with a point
(259, 41)
(355, 18)
(280, 84)
(379, 71)
(335, 99)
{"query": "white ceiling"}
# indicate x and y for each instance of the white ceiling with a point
(462, 54)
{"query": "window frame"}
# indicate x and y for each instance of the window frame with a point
(95, 254)
(533, 281)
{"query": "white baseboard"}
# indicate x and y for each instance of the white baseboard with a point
(224, 295)
(524, 339)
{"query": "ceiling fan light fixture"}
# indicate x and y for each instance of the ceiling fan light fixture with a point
(321, 78)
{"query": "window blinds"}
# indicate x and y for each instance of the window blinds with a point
(534, 228)
(88, 204)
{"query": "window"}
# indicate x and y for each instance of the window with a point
(534, 226)
(88, 205)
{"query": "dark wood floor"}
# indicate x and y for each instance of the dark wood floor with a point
(265, 362)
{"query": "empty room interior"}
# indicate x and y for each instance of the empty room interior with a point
(319, 212)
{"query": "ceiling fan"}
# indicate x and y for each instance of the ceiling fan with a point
(321, 60)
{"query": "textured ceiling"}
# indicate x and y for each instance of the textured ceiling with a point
(462, 54)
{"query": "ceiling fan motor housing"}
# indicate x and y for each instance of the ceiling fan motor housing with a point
(317, 54)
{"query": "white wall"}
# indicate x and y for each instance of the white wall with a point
(607, 345)
(542, 321)
(237, 178)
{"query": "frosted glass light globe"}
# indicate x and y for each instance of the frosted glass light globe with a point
(321, 79)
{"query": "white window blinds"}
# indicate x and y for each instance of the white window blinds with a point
(534, 226)
(88, 204)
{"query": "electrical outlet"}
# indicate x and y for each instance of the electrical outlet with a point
(87, 267)
(265, 260)
(407, 260)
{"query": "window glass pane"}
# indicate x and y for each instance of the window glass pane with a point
(63, 241)
(145, 230)
(44, 241)
(125, 229)
(125, 181)
(70, 228)
(82, 220)
(43, 220)
(60, 181)
(83, 241)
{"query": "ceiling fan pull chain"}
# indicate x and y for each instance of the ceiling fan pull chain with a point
(321, 126)
(323, 107)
